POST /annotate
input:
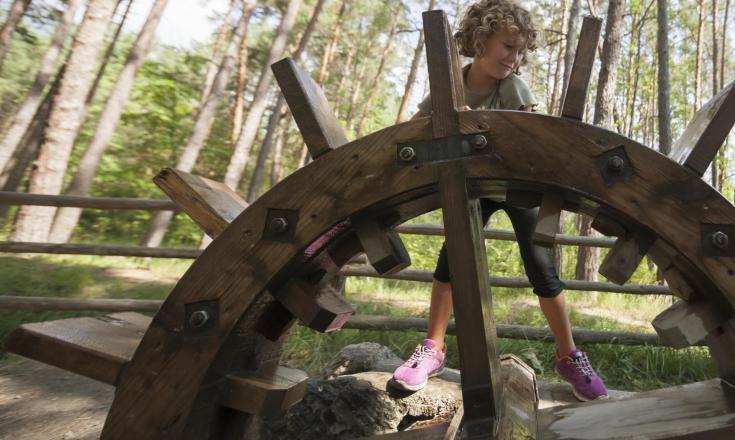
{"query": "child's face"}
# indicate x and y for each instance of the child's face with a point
(502, 53)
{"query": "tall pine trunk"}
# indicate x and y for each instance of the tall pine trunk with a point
(24, 116)
(33, 222)
(15, 13)
(241, 153)
(203, 123)
(417, 55)
(67, 218)
(571, 46)
(664, 108)
(219, 41)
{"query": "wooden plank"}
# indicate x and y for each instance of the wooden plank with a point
(700, 411)
(318, 307)
(678, 283)
(623, 259)
(212, 205)
(687, 323)
(476, 333)
(575, 96)
(547, 224)
(15, 198)
(314, 117)
(433, 432)
(706, 132)
(445, 74)
(97, 348)
(608, 226)
(384, 249)
(721, 343)
(453, 431)
(265, 394)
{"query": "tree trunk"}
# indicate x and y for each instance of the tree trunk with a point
(203, 123)
(24, 116)
(328, 55)
(558, 75)
(67, 218)
(698, 68)
(33, 222)
(214, 61)
(240, 155)
(715, 83)
(588, 257)
(724, 42)
(256, 182)
(242, 74)
(276, 164)
(413, 71)
(664, 110)
(571, 46)
(374, 83)
(15, 13)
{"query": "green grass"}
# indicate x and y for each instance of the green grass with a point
(622, 367)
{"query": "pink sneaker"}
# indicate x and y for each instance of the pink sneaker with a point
(425, 362)
(575, 368)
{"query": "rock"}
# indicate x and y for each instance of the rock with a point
(356, 358)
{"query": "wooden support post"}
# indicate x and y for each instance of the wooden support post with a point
(309, 106)
(318, 307)
(721, 343)
(706, 132)
(678, 284)
(685, 324)
(445, 74)
(579, 80)
(212, 205)
(625, 255)
(384, 249)
(264, 394)
(476, 333)
(608, 226)
(547, 224)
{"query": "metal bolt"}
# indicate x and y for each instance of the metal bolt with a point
(407, 154)
(615, 164)
(198, 318)
(278, 224)
(479, 142)
(719, 239)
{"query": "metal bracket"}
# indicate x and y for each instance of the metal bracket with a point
(448, 148)
(614, 165)
(718, 240)
(280, 225)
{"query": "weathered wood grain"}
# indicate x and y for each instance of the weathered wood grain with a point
(319, 307)
(549, 214)
(575, 96)
(265, 394)
(624, 257)
(384, 249)
(687, 323)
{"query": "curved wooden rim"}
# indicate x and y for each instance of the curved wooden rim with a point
(171, 361)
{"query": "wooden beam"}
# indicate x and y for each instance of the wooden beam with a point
(453, 431)
(678, 283)
(15, 198)
(687, 323)
(212, 205)
(433, 432)
(547, 224)
(476, 333)
(264, 394)
(445, 74)
(384, 249)
(309, 106)
(624, 257)
(721, 343)
(575, 96)
(706, 132)
(318, 307)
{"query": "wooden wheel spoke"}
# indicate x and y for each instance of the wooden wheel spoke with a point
(575, 96)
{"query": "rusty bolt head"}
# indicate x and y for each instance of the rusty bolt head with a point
(719, 239)
(278, 225)
(198, 318)
(479, 142)
(615, 164)
(407, 154)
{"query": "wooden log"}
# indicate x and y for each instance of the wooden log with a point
(317, 307)
(624, 257)
(472, 302)
(212, 205)
(95, 249)
(695, 411)
(547, 224)
(14, 198)
(706, 132)
(575, 96)
(311, 111)
(445, 75)
(264, 394)
(384, 249)
(8, 302)
(685, 324)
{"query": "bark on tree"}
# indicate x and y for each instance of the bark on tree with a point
(15, 13)
(571, 46)
(278, 112)
(214, 62)
(276, 164)
(374, 83)
(203, 123)
(331, 48)
(242, 73)
(587, 257)
(715, 53)
(33, 222)
(724, 42)
(32, 102)
(664, 108)
(698, 66)
(67, 218)
(417, 56)
(241, 153)
(558, 75)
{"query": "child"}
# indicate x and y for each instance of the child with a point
(497, 34)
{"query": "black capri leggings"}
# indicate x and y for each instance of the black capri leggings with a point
(536, 259)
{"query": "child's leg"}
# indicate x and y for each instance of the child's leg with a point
(439, 311)
(555, 310)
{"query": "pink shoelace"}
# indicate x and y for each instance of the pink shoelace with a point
(583, 365)
(422, 352)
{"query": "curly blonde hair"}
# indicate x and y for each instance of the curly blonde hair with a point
(486, 17)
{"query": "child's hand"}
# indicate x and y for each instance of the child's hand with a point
(464, 108)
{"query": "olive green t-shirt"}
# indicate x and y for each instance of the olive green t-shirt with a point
(511, 93)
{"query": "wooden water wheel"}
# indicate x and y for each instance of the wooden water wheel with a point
(206, 365)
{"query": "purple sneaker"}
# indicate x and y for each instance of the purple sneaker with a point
(425, 362)
(575, 368)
